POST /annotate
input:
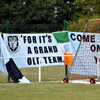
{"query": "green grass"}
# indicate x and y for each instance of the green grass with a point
(49, 91)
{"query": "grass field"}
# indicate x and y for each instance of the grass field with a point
(49, 91)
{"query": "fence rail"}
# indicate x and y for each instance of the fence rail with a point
(31, 28)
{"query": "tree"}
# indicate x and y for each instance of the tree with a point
(35, 11)
(86, 7)
(64, 10)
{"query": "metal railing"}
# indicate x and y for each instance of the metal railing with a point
(30, 28)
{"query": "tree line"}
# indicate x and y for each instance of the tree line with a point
(48, 11)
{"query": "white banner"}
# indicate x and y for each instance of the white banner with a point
(20, 45)
(87, 60)
(46, 45)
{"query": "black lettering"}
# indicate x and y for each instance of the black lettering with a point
(50, 60)
(40, 39)
(29, 50)
(54, 60)
(59, 59)
(98, 48)
(85, 38)
(24, 39)
(34, 61)
(95, 59)
(45, 59)
(49, 39)
(50, 49)
(45, 49)
(41, 49)
(36, 50)
(29, 39)
(29, 61)
(93, 48)
(34, 39)
(92, 38)
(43, 39)
(55, 49)
(73, 36)
(79, 37)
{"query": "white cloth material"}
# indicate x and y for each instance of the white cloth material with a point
(24, 80)
(4, 50)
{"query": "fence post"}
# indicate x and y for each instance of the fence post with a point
(39, 69)
(7, 32)
(66, 66)
(65, 25)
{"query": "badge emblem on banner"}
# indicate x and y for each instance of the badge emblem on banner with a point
(13, 44)
(67, 48)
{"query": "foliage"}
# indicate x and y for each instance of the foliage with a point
(76, 12)
(84, 10)
(80, 24)
(87, 7)
(35, 11)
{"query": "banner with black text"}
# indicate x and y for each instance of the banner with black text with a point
(20, 45)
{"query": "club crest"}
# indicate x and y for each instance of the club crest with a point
(67, 48)
(13, 44)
